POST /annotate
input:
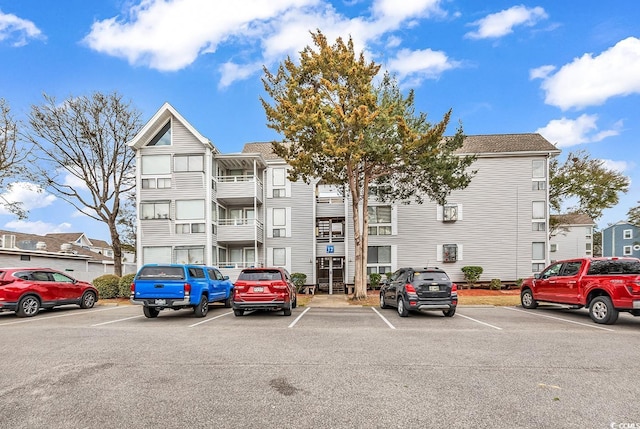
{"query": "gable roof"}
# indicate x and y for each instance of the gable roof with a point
(153, 126)
(54, 245)
(573, 219)
(490, 144)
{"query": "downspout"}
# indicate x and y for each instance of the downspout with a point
(255, 214)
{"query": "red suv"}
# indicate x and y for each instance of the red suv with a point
(26, 290)
(264, 289)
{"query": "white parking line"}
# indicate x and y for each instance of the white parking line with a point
(477, 321)
(116, 321)
(299, 317)
(209, 320)
(559, 318)
(75, 313)
(383, 318)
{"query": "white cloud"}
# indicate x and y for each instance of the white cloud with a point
(541, 72)
(590, 81)
(570, 132)
(30, 195)
(18, 30)
(147, 34)
(38, 227)
(502, 23)
(619, 166)
(420, 64)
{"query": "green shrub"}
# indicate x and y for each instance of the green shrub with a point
(107, 286)
(495, 284)
(472, 274)
(374, 280)
(519, 283)
(299, 280)
(124, 286)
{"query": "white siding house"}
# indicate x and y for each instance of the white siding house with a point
(573, 238)
(235, 210)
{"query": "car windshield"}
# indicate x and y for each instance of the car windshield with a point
(161, 273)
(432, 276)
(618, 266)
(264, 275)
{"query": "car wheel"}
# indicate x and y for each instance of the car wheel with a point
(295, 301)
(150, 312)
(402, 310)
(450, 312)
(526, 299)
(202, 308)
(602, 311)
(228, 302)
(287, 311)
(383, 304)
(88, 300)
(238, 312)
(28, 306)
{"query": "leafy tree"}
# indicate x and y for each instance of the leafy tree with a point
(12, 157)
(633, 215)
(340, 128)
(81, 155)
(588, 180)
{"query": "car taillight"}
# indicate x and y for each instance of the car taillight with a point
(133, 287)
(187, 288)
(634, 288)
(239, 287)
(454, 288)
(409, 288)
(279, 285)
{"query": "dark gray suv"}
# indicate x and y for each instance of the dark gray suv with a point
(419, 289)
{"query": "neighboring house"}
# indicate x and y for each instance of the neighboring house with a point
(93, 244)
(573, 237)
(621, 239)
(52, 251)
(235, 210)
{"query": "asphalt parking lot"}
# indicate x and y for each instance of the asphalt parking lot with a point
(487, 367)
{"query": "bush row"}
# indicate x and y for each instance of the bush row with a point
(111, 286)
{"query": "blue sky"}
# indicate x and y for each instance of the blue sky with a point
(568, 70)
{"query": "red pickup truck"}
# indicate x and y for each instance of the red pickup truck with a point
(605, 286)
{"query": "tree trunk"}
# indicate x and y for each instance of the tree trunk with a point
(117, 249)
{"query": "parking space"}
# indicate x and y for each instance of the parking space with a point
(500, 319)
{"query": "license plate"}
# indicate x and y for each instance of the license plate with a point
(161, 301)
(434, 288)
(636, 305)
(258, 289)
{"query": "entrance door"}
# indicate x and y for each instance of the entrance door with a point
(330, 274)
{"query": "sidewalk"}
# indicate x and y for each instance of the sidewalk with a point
(331, 301)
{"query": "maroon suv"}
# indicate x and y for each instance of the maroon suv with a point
(26, 290)
(264, 289)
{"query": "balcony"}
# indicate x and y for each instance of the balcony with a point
(330, 206)
(239, 190)
(240, 231)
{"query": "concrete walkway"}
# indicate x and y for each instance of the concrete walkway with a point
(337, 300)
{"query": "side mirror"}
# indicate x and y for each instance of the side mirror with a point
(537, 276)
(225, 277)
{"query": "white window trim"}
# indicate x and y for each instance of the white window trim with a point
(440, 212)
(627, 234)
(627, 251)
(287, 256)
(287, 182)
(440, 252)
(286, 226)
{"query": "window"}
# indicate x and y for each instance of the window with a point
(190, 255)
(154, 210)
(378, 259)
(538, 226)
(379, 220)
(537, 251)
(280, 257)
(538, 185)
(163, 138)
(156, 255)
(163, 183)
(189, 209)
(279, 176)
(553, 248)
(279, 193)
(190, 228)
(449, 253)
(156, 164)
(538, 168)
(627, 251)
(279, 232)
(188, 163)
(450, 213)
(279, 217)
(538, 210)
(25, 257)
(571, 268)
(627, 234)
(537, 267)
(379, 191)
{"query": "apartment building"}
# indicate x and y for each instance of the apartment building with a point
(198, 205)
(573, 237)
(621, 239)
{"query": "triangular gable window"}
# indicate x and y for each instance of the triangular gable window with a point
(163, 138)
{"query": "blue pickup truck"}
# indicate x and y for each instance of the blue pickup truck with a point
(160, 286)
